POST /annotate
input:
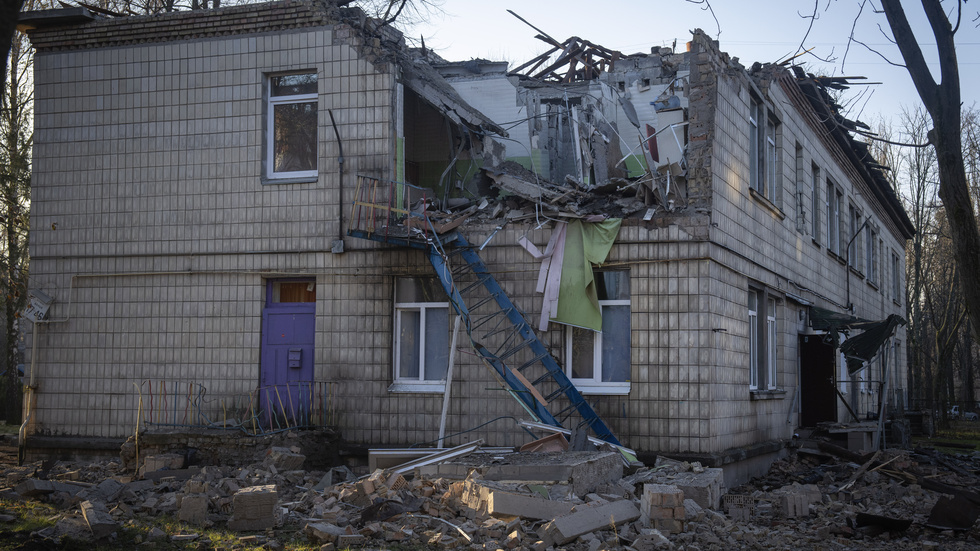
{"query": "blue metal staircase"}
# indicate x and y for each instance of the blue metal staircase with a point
(383, 212)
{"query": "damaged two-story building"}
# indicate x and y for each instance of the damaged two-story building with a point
(276, 215)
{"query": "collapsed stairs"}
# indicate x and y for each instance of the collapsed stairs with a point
(383, 212)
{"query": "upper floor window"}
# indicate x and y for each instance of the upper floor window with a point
(871, 254)
(421, 335)
(815, 203)
(291, 144)
(763, 151)
(599, 363)
(896, 279)
(834, 199)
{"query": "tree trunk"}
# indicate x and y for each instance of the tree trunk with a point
(942, 100)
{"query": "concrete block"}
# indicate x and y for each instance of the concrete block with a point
(704, 488)
(585, 471)
(168, 461)
(669, 525)
(254, 508)
(323, 532)
(498, 503)
(193, 509)
(794, 505)
(99, 521)
(33, 487)
(589, 519)
(651, 539)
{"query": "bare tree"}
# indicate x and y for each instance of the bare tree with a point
(9, 12)
(942, 101)
(16, 138)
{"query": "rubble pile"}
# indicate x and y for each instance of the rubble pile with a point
(580, 501)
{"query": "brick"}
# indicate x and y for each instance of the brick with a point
(323, 532)
(284, 459)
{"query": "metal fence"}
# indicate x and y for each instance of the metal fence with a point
(264, 410)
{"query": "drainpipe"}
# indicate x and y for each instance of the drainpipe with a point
(338, 245)
(847, 264)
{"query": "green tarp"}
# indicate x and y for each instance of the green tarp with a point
(585, 245)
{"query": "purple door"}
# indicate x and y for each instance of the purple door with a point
(286, 378)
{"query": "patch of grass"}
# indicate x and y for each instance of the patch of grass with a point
(7, 428)
(133, 534)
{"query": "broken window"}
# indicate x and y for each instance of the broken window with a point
(421, 335)
(763, 340)
(291, 127)
(599, 362)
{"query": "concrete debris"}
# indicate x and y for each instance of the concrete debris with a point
(579, 501)
(98, 519)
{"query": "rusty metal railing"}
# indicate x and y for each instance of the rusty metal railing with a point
(383, 210)
(264, 410)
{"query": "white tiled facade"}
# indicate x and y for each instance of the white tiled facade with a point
(153, 230)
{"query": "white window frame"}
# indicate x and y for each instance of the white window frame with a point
(763, 340)
(754, 340)
(896, 280)
(272, 101)
(834, 199)
(595, 384)
(815, 202)
(416, 383)
(771, 159)
(756, 166)
(772, 339)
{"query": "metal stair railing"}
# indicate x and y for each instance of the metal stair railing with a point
(394, 213)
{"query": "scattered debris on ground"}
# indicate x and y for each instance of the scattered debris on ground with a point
(815, 498)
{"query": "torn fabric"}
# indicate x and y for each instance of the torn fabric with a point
(549, 275)
(585, 244)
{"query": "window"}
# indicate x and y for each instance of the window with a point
(871, 254)
(421, 335)
(599, 363)
(800, 177)
(763, 339)
(896, 280)
(755, 175)
(853, 243)
(815, 204)
(763, 152)
(291, 144)
(833, 218)
(771, 158)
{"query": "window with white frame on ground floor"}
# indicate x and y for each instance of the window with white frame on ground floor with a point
(599, 362)
(291, 127)
(421, 335)
(763, 340)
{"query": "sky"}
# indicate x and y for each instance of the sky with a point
(752, 30)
